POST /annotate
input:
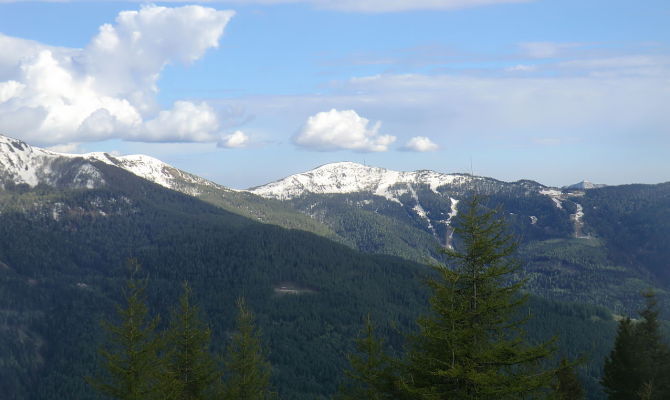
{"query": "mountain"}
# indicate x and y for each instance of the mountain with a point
(418, 207)
(573, 249)
(22, 164)
(29, 166)
(571, 239)
(69, 222)
(62, 251)
(585, 185)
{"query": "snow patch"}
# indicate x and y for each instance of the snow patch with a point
(450, 231)
(419, 210)
(576, 219)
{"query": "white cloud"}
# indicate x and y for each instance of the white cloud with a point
(69, 148)
(185, 122)
(483, 106)
(595, 103)
(342, 130)
(236, 140)
(51, 94)
(420, 144)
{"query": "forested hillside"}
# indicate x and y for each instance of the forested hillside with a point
(62, 254)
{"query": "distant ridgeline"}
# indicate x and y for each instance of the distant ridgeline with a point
(68, 224)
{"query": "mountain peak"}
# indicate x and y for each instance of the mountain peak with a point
(351, 177)
(21, 163)
(584, 185)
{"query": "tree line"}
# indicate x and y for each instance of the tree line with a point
(472, 345)
(141, 363)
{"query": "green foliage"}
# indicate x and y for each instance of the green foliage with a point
(567, 385)
(132, 368)
(639, 365)
(192, 372)
(634, 221)
(62, 250)
(371, 371)
(247, 372)
(472, 346)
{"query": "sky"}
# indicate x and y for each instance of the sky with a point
(250, 91)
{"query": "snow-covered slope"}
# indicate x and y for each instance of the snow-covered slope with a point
(21, 163)
(585, 185)
(349, 177)
(156, 171)
(24, 164)
(424, 199)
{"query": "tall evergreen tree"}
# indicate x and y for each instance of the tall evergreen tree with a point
(371, 375)
(567, 385)
(639, 364)
(247, 373)
(472, 345)
(192, 371)
(132, 367)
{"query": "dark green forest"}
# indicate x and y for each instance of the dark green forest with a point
(62, 257)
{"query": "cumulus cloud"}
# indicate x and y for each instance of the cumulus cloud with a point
(420, 144)
(342, 130)
(236, 140)
(51, 94)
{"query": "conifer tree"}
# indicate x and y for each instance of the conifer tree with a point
(192, 371)
(132, 367)
(567, 385)
(472, 346)
(639, 364)
(247, 373)
(621, 379)
(371, 375)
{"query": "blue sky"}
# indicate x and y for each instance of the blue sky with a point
(247, 92)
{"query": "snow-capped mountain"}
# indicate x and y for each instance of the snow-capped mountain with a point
(585, 185)
(350, 177)
(21, 163)
(425, 200)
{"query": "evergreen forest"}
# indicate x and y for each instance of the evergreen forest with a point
(62, 277)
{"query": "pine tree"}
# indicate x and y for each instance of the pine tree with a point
(472, 346)
(371, 375)
(653, 351)
(567, 385)
(638, 365)
(621, 379)
(132, 367)
(192, 371)
(247, 373)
